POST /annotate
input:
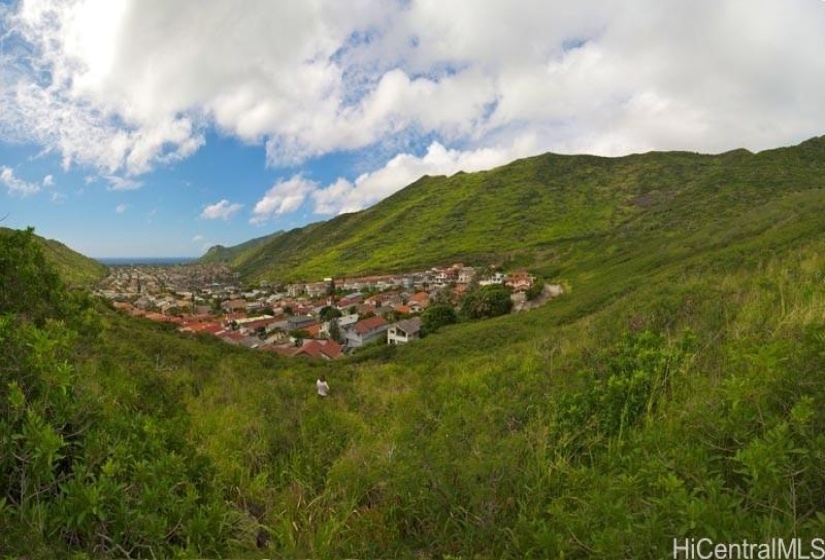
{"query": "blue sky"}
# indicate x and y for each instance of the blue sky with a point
(154, 128)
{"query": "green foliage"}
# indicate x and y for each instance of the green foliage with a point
(329, 312)
(635, 382)
(335, 331)
(437, 316)
(81, 474)
(234, 255)
(73, 268)
(299, 335)
(29, 288)
(486, 302)
(535, 290)
(674, 391)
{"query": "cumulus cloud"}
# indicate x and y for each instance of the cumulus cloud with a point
(125, 87)
(48, 181)
(345, 196)
(15, 185)
(121, 208)
(284, 197)
(220, 210)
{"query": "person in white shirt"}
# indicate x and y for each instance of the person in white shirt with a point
(321, 385)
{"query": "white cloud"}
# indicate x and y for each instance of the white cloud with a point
(48, 181)
(220, 210)
(122, 184)
(284, 197)
(15, 185)
(124, 88)
(58, 198)
(197, 239)
(369, 188)
(121, 208)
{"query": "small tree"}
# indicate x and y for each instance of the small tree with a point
(299, 335)
(437, 316)
(328, 313)
(487, 301)
(535, 290)
(335, 330)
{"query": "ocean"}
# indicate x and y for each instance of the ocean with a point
(145, 261)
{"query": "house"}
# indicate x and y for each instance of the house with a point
(350, 300)
(404, 331)
(322, 349)
(250, 327)
(299, 322)
(366, 331)
(233, 305)
(352, 284)
(316, 289)
(519, 281)
(466, 275)
(418, 301)
(294, 290)
(144, 303)
(345, 322)
(497, 278)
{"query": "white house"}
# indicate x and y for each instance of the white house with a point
(345, 322)
(366, 331)
(497, 278)
(404, 331)
(466, 275)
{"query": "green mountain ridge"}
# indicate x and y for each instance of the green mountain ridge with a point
(529, 208)
(74, 268)
(234, 255)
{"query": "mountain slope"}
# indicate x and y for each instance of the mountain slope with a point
(525, 208)
(73, 267)
(672, 391)
(235, 255)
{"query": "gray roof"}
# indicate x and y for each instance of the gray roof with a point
(409, 326)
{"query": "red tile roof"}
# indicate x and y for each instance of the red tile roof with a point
(365, 326)
(419, 297)
(325, 349)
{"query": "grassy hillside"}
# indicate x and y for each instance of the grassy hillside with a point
(74, 268)
(235, 255)
(673, 392)
(539, 205)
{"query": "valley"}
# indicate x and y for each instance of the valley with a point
(292, 319)
(670, 392)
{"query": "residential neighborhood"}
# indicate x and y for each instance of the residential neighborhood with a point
(325, 319)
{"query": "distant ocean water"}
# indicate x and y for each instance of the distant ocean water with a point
(145, 261)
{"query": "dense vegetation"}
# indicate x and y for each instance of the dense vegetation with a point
(76, 269)
(674, 391)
